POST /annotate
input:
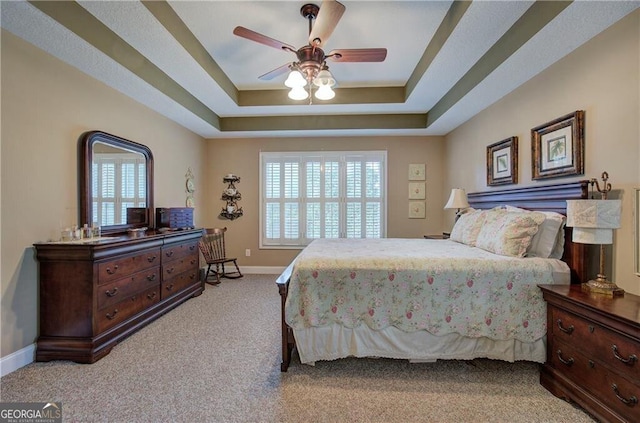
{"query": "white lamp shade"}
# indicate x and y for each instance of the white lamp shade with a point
(324, 78)
(295, 80)
(593, 221)
(298, 93)
(592, 236)
(457, 199)
(325, 93)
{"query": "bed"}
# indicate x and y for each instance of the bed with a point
(422, 299)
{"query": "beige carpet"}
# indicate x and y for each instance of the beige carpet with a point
(216, 358)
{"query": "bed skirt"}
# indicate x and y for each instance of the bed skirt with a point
(334, 342)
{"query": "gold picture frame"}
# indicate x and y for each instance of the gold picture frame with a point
(557, 147)
(502, 162)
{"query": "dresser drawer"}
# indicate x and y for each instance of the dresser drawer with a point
(175, 267)
(114, 292)
(609, 386)
(178, 283)
(618, 351)
(119, 312)
(178, 251)
(121, 267)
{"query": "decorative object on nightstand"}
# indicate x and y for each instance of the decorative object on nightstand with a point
(593, 222)
(231, 195)
(457, 200)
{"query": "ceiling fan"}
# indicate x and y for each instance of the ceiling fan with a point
(311, 67)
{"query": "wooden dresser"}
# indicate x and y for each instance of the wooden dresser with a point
(593, 348)
(94, 294)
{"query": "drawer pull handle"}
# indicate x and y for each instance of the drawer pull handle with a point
(169, 287)
(632, 358)
(152, 295)
(112, 272)
(112, 315)
(114, 291)
(568, 330)
(151, 259)
(631, 401)
(193, 262)
(170, 270)
(568, 362)
(191, 248)
(151, 277)
(169, 253)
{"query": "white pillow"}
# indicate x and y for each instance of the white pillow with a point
(508, 233)
(549, 241)
(467, 227)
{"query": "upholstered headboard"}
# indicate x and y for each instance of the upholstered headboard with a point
(546, 198)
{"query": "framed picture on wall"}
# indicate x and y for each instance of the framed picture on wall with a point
(417, 172)
(502, 162)
(417, 210)
(417, 191)
(557, 147)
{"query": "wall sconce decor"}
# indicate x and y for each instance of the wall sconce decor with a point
(231, 195)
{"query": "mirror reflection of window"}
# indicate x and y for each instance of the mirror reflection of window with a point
(119, 183)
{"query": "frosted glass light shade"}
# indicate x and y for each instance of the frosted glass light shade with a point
(295, 80)
(298, 93)
(457, 199)
(325, 92)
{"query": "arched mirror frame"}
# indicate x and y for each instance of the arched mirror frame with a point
(87, 142)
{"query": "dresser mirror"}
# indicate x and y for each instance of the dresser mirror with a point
(116, 183)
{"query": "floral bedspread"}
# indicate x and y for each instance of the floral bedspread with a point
(418, 284)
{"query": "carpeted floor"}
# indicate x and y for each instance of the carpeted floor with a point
(216, 358)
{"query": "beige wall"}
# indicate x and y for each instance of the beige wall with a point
(241, 157)
(602, 78)
(47, 104)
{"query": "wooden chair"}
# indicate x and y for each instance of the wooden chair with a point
(212, 248)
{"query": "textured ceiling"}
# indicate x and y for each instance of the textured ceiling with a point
(446, 60)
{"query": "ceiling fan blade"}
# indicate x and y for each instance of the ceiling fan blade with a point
(276, 72)
(330, 13)
(243, 32)
(358, 55)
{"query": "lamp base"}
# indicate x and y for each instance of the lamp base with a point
(602, 286)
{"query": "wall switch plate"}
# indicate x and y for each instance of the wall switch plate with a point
(247, 252)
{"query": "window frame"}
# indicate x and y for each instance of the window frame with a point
(302, 158)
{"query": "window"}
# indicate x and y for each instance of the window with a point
(117, 173)
(310, 195)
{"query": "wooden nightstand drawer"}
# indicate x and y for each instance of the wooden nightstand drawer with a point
(597, 342)
(593, 344)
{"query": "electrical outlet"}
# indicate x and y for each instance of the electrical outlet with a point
(247, 252)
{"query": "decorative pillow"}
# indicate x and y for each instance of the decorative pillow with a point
(544, 242)
(467, 227)
(508, 233)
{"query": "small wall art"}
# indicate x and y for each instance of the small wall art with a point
(557, 147)
(417, 172)
(417, 191)
(502, 162)
(417, 210)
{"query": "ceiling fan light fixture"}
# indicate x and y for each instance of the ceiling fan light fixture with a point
(325, 92)
(298, 93)
(295, 80)
(323, 78)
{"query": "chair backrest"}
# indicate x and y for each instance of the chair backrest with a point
(212, 244)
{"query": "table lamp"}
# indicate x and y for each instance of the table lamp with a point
(593, 222)
(457, 200)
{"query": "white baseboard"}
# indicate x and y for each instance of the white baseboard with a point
(18, 359)
(262, 270)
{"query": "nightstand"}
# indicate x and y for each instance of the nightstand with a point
(593, 347)
(443, 235)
